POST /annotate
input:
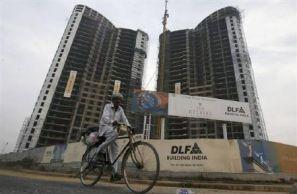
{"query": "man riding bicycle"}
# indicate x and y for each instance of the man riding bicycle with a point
(112, 115)
(139, 159)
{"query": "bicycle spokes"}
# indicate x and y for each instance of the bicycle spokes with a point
(141, 167)
(90, 170)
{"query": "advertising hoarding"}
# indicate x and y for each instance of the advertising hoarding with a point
(203, 155)
(191, 155)
(48, 154)
(286, 157)
(208, 108)
(58, 153)
(155, 103)
(116, 86)
(70, 84)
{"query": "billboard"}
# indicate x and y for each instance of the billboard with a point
(58, 153)
(208, 108)
(116, 86)
(54, 153)
(188, 155)
(198, 155)
(48, 154)
(155, 103)
(70, 84)
(286, 157)
(257, 157)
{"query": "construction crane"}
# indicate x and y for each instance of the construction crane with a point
(147, 118)
(161, 120)
(163, 47)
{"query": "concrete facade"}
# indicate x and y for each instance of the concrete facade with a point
(21, 135)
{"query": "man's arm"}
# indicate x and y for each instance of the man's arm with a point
(124, 118)
(106, 116)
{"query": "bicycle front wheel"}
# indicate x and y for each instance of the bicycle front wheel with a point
(90, 170)
(140, 167)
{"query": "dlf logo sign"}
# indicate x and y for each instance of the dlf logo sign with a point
(187, 152)
(188, 149)
(235, 109)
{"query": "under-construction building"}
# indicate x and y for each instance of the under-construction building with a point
(21, 135)
(91, 55)
(211, 60)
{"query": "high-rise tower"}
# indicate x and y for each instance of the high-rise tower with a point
(91, 55)
(211, 60)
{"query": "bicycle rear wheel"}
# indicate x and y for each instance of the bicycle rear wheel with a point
(140, 167)
(90, 171)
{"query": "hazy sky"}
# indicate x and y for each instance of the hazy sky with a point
(30, 31)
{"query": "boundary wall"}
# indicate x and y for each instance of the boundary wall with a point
(185, 156)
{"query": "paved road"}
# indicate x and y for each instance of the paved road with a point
(14, 183)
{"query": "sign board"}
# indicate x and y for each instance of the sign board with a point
(208, 108)
(70, 84)
(203, 155)
(58, 152)
(48, 154)
(116, 87)
(177, 88)
(155, 103)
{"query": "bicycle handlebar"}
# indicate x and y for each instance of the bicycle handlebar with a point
(130, 129)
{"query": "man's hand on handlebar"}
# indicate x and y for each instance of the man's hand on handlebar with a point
(115, 123)
(132, 129)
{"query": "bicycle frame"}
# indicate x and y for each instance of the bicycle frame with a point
(129, 143)
(132, 152)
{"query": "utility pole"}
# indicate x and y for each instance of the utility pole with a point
(161, 120)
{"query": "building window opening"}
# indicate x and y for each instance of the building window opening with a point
(27, 145)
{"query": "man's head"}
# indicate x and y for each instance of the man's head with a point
(117, 99)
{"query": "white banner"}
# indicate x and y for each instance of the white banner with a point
(208, 108)
(116, 86)
(70, 84)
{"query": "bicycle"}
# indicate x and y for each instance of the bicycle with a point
(140, 165)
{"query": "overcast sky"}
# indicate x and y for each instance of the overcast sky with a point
(30, 31)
